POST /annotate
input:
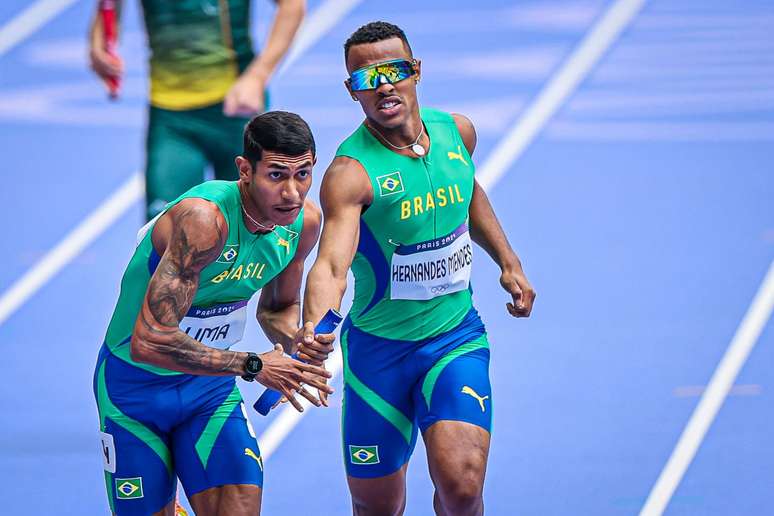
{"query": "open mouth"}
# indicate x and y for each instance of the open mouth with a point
(389, 104)
(287, 209)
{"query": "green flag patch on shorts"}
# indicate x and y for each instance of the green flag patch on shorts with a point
(364, 454)
(129, 488)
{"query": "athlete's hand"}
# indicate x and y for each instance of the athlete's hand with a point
(516, 284)
(106, 66)
(287, 375)
(313, 348)
(245, 98)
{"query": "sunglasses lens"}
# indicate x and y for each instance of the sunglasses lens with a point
(369, 78)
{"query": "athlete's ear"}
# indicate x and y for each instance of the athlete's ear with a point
(348, 85)
(245, 169)
(418, 69)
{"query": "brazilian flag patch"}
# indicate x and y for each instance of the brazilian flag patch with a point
(129, 488)
(390, 184)
(364, 454)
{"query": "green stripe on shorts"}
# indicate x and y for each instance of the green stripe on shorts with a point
(108, 410)
(376, 402)
(432, 375)
(211, 432)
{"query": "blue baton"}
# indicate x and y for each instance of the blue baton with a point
(270, 397)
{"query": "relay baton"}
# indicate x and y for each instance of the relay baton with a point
(270, 397)
(107, 11)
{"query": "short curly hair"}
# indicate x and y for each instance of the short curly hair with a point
(373, 32)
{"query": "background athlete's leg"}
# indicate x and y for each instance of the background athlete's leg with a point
(174, 161)
(454, 408)
(221, 140)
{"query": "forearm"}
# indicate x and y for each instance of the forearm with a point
(96, 29)
(324, 290)
(288, 18)
(173, 349)
(280, 325)
(487, 232)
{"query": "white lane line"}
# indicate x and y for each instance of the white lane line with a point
(736, 355)
(30, 20)
(585, 56)
(71, 246)
(123, 198)
(596, 42)
(315, 26)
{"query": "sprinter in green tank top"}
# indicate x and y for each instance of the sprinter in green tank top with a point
(205, 83)
(165, 377)
(416, 356)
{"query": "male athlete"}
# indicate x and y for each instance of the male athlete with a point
(204, 80)
(165, 378)
(401, 207)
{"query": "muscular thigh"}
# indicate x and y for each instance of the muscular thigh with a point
(139, 476)
(215, 444)
(457, 388)
(378, 426)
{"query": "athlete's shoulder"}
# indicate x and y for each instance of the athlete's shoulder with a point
(433, 115)
(467, 131)
(196, 221)
(346, 181)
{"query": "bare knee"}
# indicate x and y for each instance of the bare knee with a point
(461, 492)
(231, 499)
(384, 496)
(373, 506)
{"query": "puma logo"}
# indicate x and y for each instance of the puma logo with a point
(471, 392)
(250, 453)
(457, 155)
(284, 243)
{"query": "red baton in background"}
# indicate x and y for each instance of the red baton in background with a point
(107, 11)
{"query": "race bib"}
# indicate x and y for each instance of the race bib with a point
(219, 326)
(433, 268)
(108, 452)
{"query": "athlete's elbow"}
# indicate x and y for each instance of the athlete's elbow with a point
(142, 351)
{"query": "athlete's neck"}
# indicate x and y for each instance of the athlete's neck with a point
(402, 135)
(251, 214)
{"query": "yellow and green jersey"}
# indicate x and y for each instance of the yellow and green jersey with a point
(414, 257)
(198, 48)
(218, 312)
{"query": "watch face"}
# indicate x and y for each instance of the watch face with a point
(253, 364)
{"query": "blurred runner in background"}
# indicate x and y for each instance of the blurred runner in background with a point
(205, 82)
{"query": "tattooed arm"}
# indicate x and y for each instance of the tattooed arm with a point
(279, 305)
(192, 235)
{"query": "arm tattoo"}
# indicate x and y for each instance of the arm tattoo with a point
(170, 294)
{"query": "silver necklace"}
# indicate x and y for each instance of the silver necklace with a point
(415, 147)
(262, 226)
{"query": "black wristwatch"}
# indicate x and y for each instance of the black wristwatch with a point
(253, 366)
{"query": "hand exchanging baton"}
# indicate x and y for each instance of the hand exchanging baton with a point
(315, 348)
(287, 376)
